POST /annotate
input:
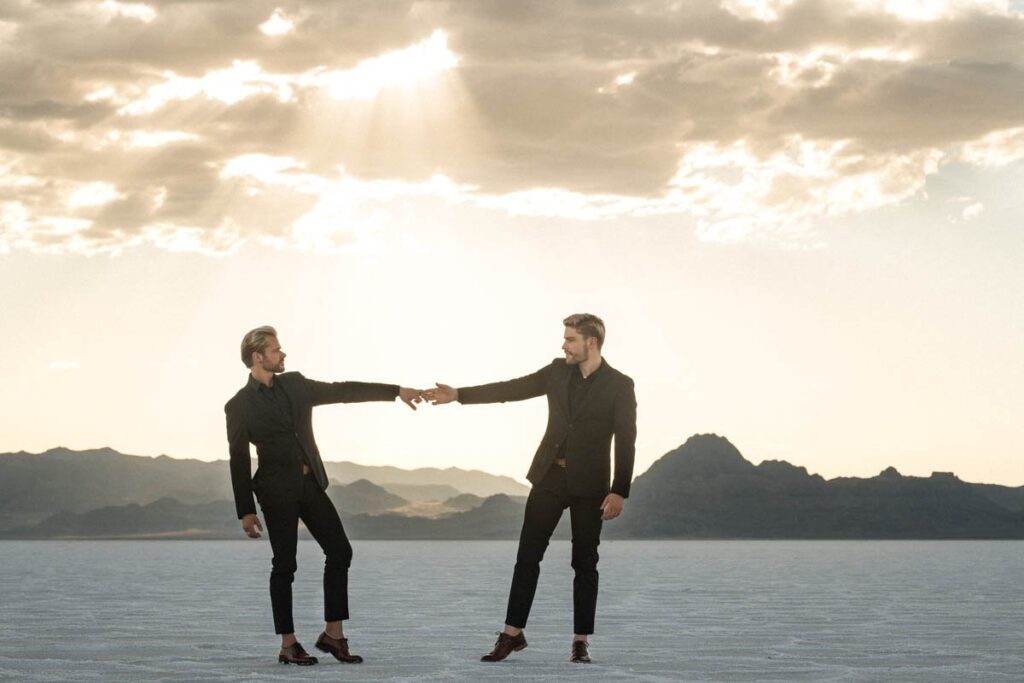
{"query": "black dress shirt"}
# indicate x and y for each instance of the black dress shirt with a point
(276, 396)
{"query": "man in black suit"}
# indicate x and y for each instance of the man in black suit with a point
(274, 412)
(589, 402)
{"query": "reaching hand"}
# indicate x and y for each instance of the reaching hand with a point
(442, 394)
(612, 506)
(410, 397)
(250, 523)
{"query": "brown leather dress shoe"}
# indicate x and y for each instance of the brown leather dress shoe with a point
(580, 652)
(294, 654)
(337, 647)
(505, 646)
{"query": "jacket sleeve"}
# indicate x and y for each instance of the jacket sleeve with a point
(348, 392)
(625, 438)
(519, 389)
(239, 460)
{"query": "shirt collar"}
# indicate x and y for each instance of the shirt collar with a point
(600, 369)
(256, 385)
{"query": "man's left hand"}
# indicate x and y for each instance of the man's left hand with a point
(612, 506)
(410, 397)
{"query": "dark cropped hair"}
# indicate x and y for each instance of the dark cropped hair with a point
(255, 341)
(588, 325)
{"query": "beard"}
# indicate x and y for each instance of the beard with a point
(266, 365)
(576, 359)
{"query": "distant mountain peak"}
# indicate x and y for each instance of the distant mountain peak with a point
(365, 485)
(702, 456)
(104, 453)
(498, 500)
(890, 473)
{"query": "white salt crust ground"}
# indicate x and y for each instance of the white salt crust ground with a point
(425, 611)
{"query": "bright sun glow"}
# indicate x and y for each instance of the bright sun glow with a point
(133, 10)
(277, 25)
(400, 67)
(931, 10)
(246, 78)
(761, 10)
(93, 194)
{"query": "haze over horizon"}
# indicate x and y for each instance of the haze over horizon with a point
(799, 219)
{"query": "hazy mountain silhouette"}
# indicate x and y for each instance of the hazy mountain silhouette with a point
(421, 492)
(706, 489)
(497, 517)
(36, 485)
(164, 518)
(463, 481)
(703, 489)
(363, 496)
(464, 501)
(32, 485)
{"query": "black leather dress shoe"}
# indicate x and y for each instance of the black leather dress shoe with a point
(505, 646)
(580, 652)
(294, 654)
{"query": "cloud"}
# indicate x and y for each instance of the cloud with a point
(120, 122)
(972, 211)
(278, 24)
(998, 148)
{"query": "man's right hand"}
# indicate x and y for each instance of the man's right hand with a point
(442, 394)
(250, 524)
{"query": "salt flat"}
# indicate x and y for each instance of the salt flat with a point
(927, 611)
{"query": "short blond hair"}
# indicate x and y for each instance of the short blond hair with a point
(255, 341)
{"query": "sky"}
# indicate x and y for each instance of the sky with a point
(799, 219)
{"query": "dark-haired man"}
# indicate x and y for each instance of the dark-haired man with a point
(589, 402)
(274, 412)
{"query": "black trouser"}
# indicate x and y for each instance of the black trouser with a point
(315, 509)
(544, 508)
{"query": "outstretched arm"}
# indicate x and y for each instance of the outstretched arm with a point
(519, 389)
(359, 392)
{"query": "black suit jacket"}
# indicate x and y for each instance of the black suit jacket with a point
(608, 410)
(253, 419)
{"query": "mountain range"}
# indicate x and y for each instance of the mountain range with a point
(34, 486)
(702, 489)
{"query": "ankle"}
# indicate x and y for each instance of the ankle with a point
(334, 629)
(288, 639)
(512, 630)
